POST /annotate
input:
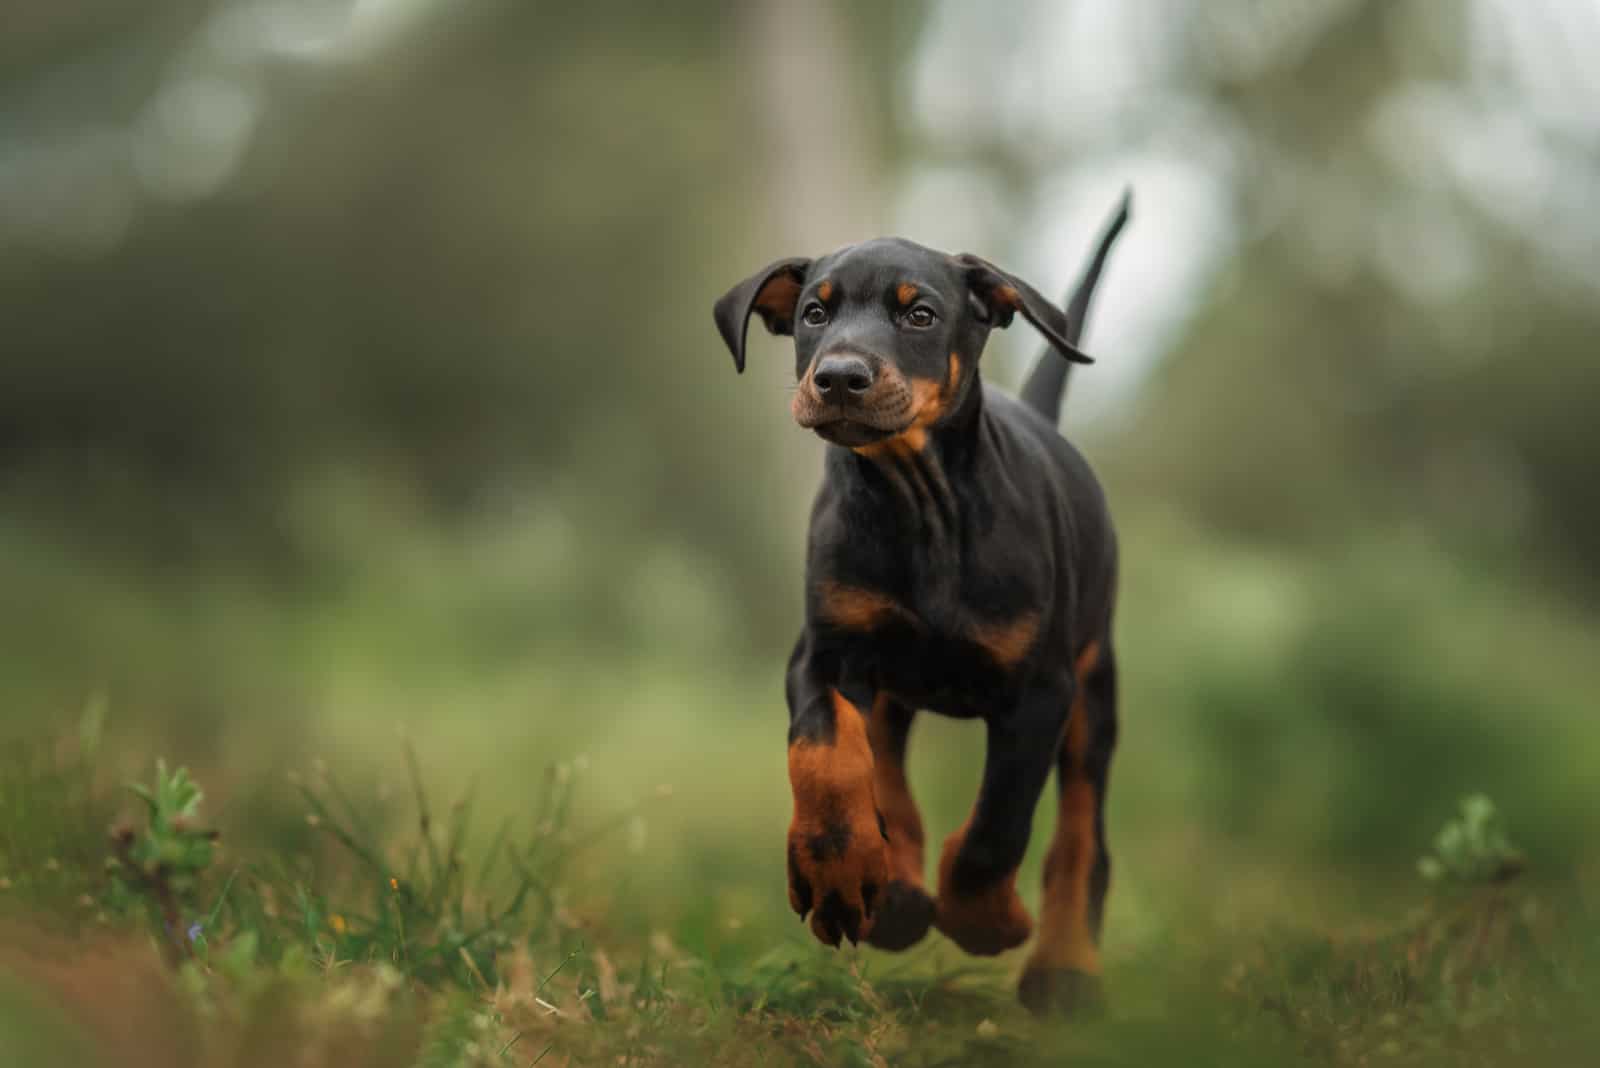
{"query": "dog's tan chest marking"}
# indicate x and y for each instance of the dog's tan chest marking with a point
(1005, 644)
(858, 608)
(1010, 642)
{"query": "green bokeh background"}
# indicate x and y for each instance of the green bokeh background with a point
(357, 375)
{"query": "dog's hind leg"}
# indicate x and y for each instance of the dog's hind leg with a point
(905, 911)
(1063, 972)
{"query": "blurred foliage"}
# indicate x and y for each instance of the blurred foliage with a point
(360, 372)
(357, 371)
(471, 279)
(1473, 848)
(267, 300)
(1388, 345)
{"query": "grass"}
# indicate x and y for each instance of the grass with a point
(399, 932)
(434, 853)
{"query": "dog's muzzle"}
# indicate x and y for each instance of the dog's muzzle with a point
(850, 399)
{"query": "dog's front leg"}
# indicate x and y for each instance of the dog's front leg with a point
(905, 911)
(838, 854)
(978, 905)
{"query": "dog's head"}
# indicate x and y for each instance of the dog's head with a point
(887, 333)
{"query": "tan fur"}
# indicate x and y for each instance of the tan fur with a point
(833, 787)
(899, 809)
(855, 607)
(988, 922)
(779, 295)
(1008, 643)
(929, 403)
(1065, 937)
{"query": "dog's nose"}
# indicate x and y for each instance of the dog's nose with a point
(838, 376)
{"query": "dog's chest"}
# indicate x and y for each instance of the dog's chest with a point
(942, 637)
(957, 664)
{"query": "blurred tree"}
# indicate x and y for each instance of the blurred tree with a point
(253, 251)
(1398, 300)
(1387, 344)
(431, 261)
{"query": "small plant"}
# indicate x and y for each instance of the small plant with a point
(161, 865)
(415, 902)
(1473, 849)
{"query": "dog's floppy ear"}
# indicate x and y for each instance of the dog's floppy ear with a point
(772, 291)
(1002, 294)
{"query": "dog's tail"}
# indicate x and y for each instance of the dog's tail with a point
(1047, 384)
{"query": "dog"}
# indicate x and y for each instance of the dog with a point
(960, 560)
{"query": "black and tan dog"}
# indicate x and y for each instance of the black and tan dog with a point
(961, 560)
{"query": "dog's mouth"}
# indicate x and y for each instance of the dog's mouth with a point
(882, 413)
(851, 432)
(851, 424)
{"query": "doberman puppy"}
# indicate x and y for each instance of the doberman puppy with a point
(961, 560)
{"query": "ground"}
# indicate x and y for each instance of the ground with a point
(570, 859)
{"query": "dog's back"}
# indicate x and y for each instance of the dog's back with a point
(1033, 445)
(1057, 479)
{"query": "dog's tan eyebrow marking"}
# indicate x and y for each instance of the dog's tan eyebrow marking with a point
(906, 293)
(825, 290)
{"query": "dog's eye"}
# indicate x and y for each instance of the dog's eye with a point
(814, 315)
(921, 317)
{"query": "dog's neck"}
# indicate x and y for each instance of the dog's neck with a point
(914, 475)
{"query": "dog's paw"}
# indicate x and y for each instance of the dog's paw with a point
(985, 919)
(985, 923)
(838, 869)
(1060, 991)
(904, 914)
